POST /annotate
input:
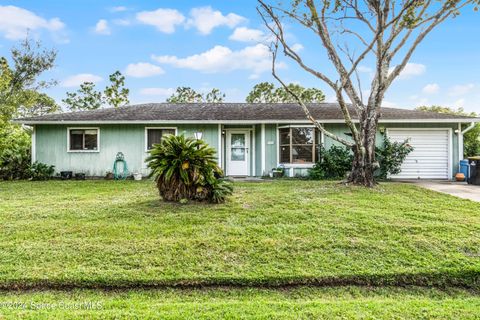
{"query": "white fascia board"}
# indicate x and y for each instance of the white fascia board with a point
(26, 122)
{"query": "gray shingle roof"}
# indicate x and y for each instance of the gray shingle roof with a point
(211, 112)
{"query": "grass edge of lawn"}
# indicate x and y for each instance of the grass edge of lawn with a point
(468, 279)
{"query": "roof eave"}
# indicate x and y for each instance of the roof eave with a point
(37, 122)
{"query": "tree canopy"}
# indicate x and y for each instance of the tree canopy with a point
(116, 95)
(265, 92)
(85, 98)
(189, 95)
(88, 98)
(21, 96)
(20, 87)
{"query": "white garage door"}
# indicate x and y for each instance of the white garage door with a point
(430, 157)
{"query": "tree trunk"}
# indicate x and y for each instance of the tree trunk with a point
(364, 163)
(362, 170)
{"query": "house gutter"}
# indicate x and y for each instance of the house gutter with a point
(470, 127)
(239, 121)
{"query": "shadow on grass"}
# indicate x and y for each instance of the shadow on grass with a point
(466, 279)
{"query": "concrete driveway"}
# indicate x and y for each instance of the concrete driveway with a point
(457, 189)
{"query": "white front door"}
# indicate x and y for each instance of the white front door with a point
(238, 152)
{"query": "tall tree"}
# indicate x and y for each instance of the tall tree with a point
(88, 98)
(35, 103)
(471, 139)
(215, 96)
(19, 83)
(188, 95)
(84, 99)
(265, 92)
(355, 33)
(20, 95)
(116, 95)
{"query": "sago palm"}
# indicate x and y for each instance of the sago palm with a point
(186, 168)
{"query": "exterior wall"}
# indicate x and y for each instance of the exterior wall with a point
(340, 129)
(51, 146)
(271, 147)
(258, 150)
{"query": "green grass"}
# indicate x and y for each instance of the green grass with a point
(118, 234)
(303, 303)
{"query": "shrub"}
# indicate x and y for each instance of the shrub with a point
(15, 157)
(391, 157)
(186, 168)
(40, 171)
(334, 163)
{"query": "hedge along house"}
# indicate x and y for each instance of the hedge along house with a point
(250, 139)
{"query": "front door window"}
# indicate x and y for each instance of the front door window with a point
(238, 147)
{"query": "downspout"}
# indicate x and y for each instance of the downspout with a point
(33, 148)
(460, 139)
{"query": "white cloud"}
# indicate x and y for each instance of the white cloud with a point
(412, 70)
(159, 92)
(364, 69)
(118, 9)
(143, 70)
(15, 22)
(222, 59)
(422, 102)
(102, 27)
(122, 22)
(331, 98)
(244, 34)
(78, 79)
(297, 47)
(431, 88)
(460, 103)
(389, 104)
(205, 19)
(459, 90)
(165, 20)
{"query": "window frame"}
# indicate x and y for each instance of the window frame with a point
(317, 141)
(83, 128)
(156, 128)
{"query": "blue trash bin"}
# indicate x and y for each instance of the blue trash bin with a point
(465, 169)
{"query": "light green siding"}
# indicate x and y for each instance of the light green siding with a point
(51, 146)
(258, 150)
(271, 148)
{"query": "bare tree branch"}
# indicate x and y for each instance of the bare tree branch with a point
(378, 30)
(309, 116)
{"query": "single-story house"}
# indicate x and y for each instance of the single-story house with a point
(250, 139)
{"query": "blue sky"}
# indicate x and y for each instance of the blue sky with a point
(160, 45)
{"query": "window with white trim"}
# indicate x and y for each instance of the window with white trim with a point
(155, 135)
(83, 139)
(298, 145)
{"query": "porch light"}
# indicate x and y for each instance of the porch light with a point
(198, 135)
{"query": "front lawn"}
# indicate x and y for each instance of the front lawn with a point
(87, 234)
(223, 303)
